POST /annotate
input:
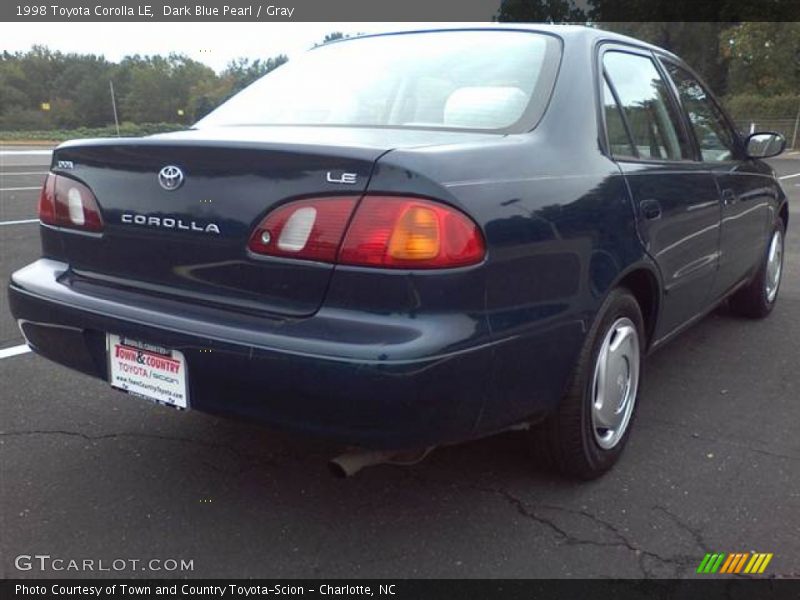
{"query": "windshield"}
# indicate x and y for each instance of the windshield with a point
(486, 80)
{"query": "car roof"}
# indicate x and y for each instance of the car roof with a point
(569, 33)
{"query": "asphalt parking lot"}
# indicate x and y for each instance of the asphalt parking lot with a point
(713, 466)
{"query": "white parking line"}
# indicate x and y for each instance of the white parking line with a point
(14, 351)
(21, 222)
(25, 173)
(789, 176)
(22, 189)
(25, 152)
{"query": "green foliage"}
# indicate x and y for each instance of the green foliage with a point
(333, 36)
(754, 106)
(126, 129)
(764, 57)
(171, 89)
(159, 88)
(646, 10)
(754, 65)
(696, 43)
(546, 11)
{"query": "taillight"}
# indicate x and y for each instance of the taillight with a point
(410, 233)
(47, 201)
(386, 231)
(307, 229)
(65, 202)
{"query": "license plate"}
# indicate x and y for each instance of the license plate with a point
(147, 370)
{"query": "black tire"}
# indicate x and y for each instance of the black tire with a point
(566, 439)
(752, 300)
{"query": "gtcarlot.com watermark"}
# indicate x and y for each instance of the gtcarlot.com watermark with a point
(48, 563)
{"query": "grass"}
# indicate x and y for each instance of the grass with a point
(54, 136)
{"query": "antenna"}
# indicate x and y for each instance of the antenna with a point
(114, 105)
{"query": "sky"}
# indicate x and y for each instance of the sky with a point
(214, 44)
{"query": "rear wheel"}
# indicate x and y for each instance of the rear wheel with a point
(757, 299)
(586, 434)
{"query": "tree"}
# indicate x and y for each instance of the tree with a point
(242, 72)
(207, 95)
(764, 58)
(333, 36)
(83, 80)
(696, 43)
(544, 11)
(158, 89)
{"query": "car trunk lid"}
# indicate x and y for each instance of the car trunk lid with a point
(191, 241)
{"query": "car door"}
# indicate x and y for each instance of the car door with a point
(675, 196)
(746, 186)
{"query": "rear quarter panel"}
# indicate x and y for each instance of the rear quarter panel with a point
(560, 231)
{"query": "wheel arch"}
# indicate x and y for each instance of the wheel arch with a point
(783, 214)
(643, 281)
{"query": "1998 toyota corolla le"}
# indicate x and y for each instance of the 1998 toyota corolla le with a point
(405, 240)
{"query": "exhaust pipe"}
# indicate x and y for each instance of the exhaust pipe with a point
(355, 459)
(352, 461)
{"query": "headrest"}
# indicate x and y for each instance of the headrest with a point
(485, 107)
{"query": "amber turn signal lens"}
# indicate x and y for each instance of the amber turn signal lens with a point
(416, 235)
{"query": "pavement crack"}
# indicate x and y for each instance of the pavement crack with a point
(696, 533)
(622, 541)
(678, 563)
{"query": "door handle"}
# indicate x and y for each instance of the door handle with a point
(651, 209)
(729, 197)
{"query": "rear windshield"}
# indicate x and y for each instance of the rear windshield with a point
(484, 80)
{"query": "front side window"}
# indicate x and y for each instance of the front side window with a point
(487, 80)
(712, 132)
(652, 119)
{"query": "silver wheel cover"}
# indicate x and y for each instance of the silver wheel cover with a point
(615, 383)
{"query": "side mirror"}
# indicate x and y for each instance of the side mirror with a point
(764, 144)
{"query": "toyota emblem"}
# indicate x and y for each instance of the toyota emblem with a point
(170, 178)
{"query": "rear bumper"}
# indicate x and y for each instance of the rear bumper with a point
(383, 384)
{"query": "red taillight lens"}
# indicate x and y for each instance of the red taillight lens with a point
(65, 202)
(47, 201)
(386, 231)
(307, 229)
(410, 233)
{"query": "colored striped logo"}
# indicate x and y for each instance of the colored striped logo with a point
(736, 562)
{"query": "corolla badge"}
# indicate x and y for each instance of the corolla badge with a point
(168, 223)
(170, 178)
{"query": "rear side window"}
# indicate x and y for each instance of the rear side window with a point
(618, 140)
(649, 112)
(713, 135)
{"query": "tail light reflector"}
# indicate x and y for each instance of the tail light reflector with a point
(307, 229)
(380, 231)
(65, 202)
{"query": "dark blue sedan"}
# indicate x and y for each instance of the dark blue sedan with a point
(405, 240)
